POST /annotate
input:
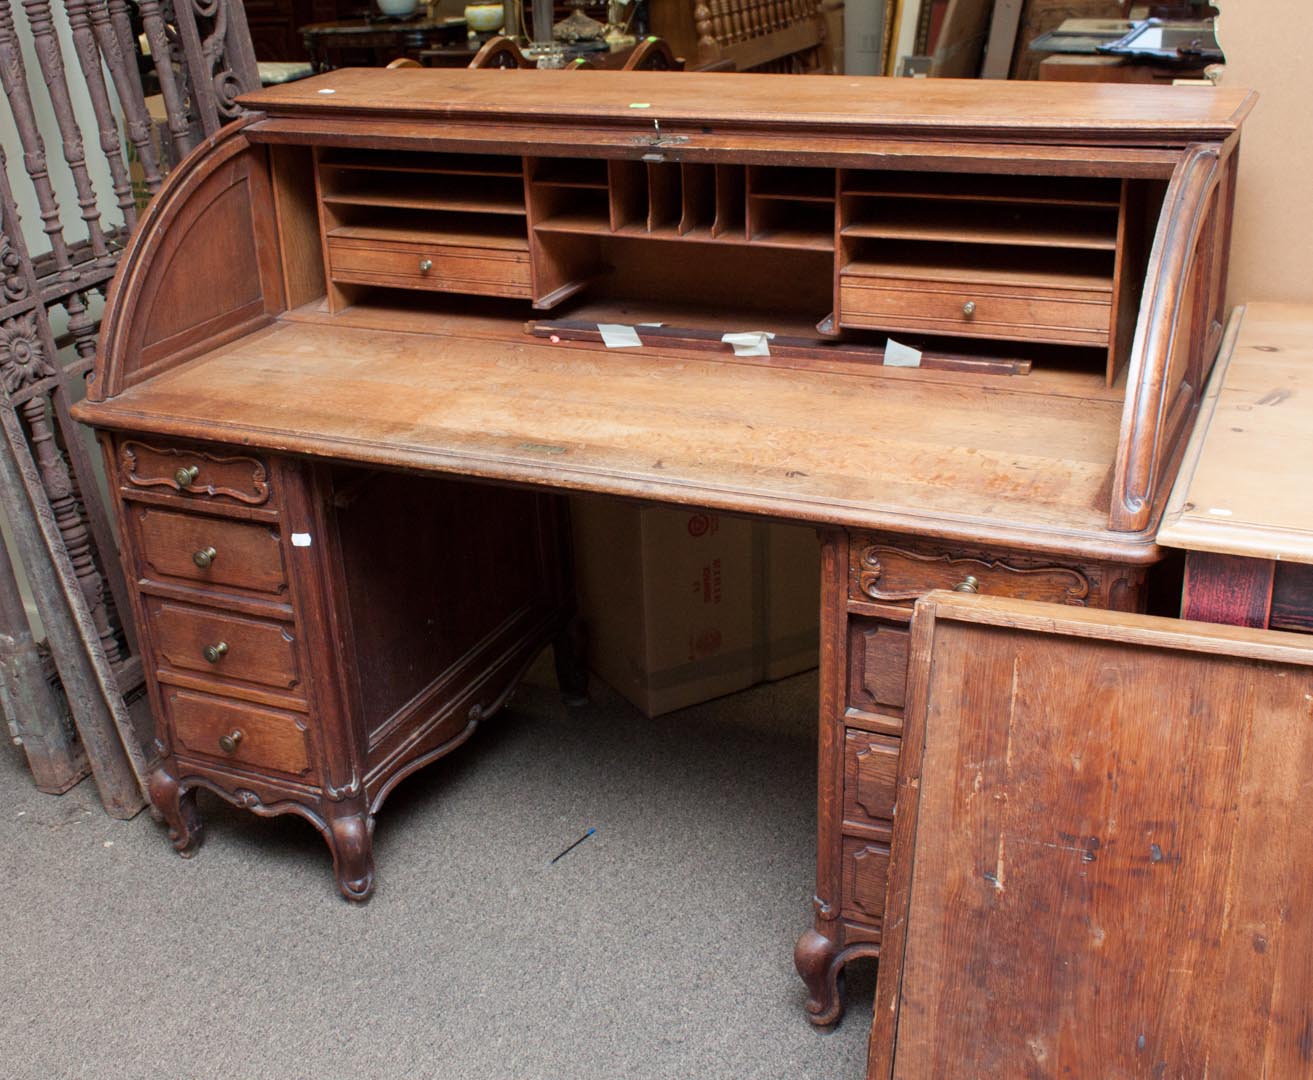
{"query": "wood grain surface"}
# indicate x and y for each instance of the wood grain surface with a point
(1246, 484)
(1163, 115)
(1100, 849)
(953, 454)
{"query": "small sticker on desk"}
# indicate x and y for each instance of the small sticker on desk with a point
(896, 354)
(328, 91)
(749, 343)
(640, 104)
(617, 336)
(300, 539)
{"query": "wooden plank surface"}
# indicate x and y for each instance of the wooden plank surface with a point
(849, 104)
(1246, 483)
(1101, 850)
(941, 453)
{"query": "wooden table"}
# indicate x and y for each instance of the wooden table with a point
(1242, 506)
(338, 456)
(377, 41)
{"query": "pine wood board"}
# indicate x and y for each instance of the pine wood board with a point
(951, 456)
(1245, 486)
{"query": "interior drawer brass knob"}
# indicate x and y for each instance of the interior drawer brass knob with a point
(968, 584)
(215, 653)
(204, 557)
(425, 265)
(229, 743)
(187, 475)
(969, 308)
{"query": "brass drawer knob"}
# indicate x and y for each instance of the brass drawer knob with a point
(968, 584)
(204, 557)
(186, 476)
(425, 265)
(969, 308)
(229, 743)
(215, 653)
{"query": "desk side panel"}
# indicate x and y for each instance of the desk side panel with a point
(201, 270)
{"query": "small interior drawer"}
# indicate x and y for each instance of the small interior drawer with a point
(887, 574)
(223, 646)
(430, 265)
(193, 473)
(865, 878)
(237, 732)
(1022, 312)
(210, 551)
(870, 777)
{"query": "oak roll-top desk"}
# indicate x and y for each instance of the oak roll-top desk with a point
(350, 365)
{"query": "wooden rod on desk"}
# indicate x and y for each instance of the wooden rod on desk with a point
(782, 347)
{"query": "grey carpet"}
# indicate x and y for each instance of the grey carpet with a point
(659, 948)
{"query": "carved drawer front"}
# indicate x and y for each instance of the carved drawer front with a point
(877, 664)
(209, 550)
(429, 265)
(870, 775)
(865, 875)
(221, 646)
(1022, 311)
(236, 732)
(178, 470)
(890, 574)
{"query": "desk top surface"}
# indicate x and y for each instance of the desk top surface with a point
(1246, 484)
(961, 456)
(1063, 112)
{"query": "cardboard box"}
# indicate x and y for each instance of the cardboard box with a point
(682, 606)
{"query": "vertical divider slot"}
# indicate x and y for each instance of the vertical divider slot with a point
(664, 201)
(699, 184)
(628, 184)
(731, 202)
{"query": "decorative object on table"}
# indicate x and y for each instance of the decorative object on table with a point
(397, 9)
(578, 26)
(484, 18)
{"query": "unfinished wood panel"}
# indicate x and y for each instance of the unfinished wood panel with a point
(1087, 807)
(1243, 486)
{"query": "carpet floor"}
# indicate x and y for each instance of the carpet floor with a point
(660, 947)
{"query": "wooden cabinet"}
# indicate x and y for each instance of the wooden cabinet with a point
(392, 367)
(290, 669)
(866, 617)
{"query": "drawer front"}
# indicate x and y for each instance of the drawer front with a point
(238, 733)
(889, 574)
(865, 876)
(877, 665)
(209, 551)
(870, 776)
(484, 271)
(984, 311)
(193, 473)
(188, 638)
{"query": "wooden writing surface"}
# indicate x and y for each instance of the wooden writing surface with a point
(1101, 846)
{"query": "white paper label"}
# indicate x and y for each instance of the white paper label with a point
(300, 539)
(749, 343)
(617, 336)
(896, 354)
